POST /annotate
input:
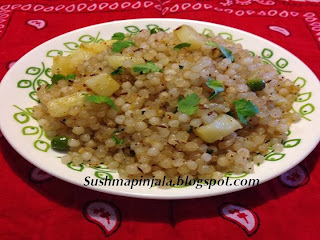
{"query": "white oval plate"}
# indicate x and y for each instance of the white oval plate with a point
(24, 134)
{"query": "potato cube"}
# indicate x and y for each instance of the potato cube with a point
(221, 127)
(187, 34)
(102, 84)
(60, 107)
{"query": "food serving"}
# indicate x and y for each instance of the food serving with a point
(166, 104)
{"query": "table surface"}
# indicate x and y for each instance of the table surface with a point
(47, 208)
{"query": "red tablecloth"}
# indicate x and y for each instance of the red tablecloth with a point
(37, 206)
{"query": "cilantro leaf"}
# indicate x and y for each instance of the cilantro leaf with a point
(244, 109)
(181, 67)
(156, 30)
(216, 86)
(226, 52)
(189, 105)
(57, 77)
(181, 45)
(146, 68)
(118, 71)
(70, 76)
(101, 99)
(118, 36)
(120, 45)
(117, 140)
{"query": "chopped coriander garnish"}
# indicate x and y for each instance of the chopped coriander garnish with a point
(57, 77)
(181, 67)
(118, 36)
(146, 68)
(216, 86)
(190, 129)
(189, 105)
(256, 84)
(120, 45)
(226, 52)
(181, 45)
(210, 151)
(118, 71)
(156, 29)
(244, 109)
(117, 140)
(101, 99)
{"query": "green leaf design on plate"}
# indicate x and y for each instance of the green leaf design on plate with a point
(33, 71)
(152, 26)
(274, 156)
(71, 45)
(282, 63)
(47, 72)
(101, 166)
(300, 82)
(21, 117)
(208, 32)
(226, 35)
(41, 145)
(30, 130)
(86, 39)
(289, 132)
(34, 96)
(302, 97)
(24, 84)
(30, 110)
(74, 167)
(54, 53)
(267, 53)
(306, 109)
(291, 143)
(132, 29)
(103, 175)
(232, 175)
(41, 82)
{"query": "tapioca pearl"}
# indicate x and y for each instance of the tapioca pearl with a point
(78, 130)
(154, 121)
(139, 83)
(77, 160)
(126, 85)
(243, 152)
(86, 156)
(195, 122)
(119, 101)
(66, 159)
(149, 113)
(184, 118)
(125, 107)
(146, 168)
(159, 174)
(205, 169)
(119, 119)
(74, 143)
(140, 126)
(206, 157)
(173, 123)
(192, 165)
(91, 143)
(191, 146)
(153, 152)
